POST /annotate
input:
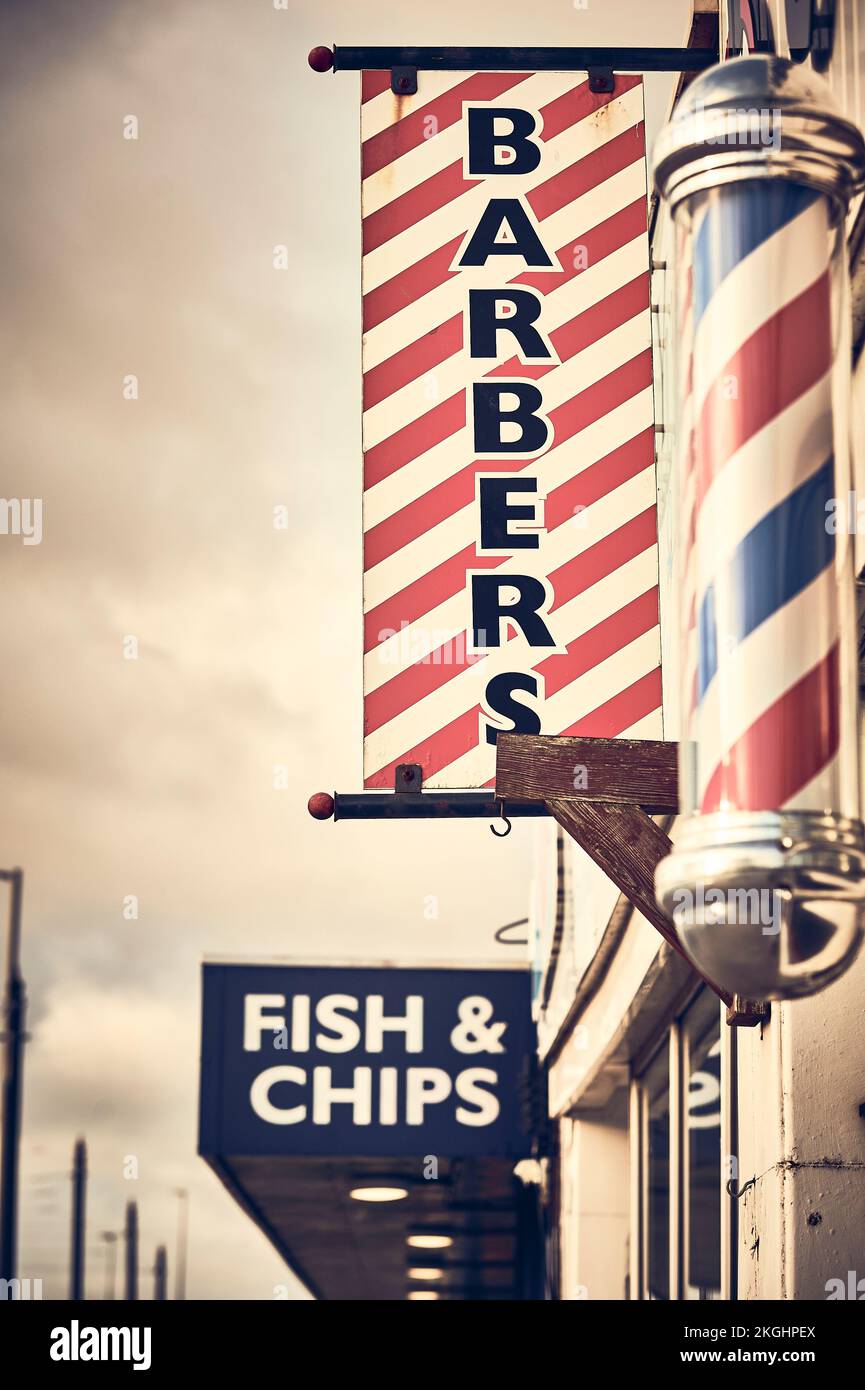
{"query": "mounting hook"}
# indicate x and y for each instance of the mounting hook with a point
(502, 933)
(731, 1188)
(500, 834)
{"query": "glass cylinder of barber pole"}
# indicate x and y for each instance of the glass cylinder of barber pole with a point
(766, 881)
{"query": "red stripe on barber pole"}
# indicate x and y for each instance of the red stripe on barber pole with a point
(772, 761)
(789, 353)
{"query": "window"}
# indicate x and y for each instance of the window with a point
(701, 1027)
(678, 1173)
(657, 1091)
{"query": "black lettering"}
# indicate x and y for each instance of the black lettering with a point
(511, 153)
(498, 697)
(505, 229)
(488, 610)
(489, 416)
(490, 313)
(497, 512)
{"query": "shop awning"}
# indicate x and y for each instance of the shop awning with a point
(342, 1248)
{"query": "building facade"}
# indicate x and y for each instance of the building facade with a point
(689, 1159)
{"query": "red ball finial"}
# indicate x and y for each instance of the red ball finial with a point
(320, 805)
(320, 59)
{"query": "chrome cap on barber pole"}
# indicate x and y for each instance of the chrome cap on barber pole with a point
(766, 880)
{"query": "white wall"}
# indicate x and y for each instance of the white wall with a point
(801, 1136)
(594, 1203)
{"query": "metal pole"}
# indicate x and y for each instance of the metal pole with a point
(182, 1243)
(14, 1008)
(110, 1239)
(160, 1274)
(131, 1293)
(79, 1198)
(351, 59)
(419, 806)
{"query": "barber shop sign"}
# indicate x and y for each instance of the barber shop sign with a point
(510, 559)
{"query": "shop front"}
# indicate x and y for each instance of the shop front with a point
(380, 1125)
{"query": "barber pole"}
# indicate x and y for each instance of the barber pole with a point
(767, 611)
(758, 169)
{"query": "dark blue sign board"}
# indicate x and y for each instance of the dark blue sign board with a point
(333, 1060)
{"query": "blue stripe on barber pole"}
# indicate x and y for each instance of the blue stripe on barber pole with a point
(782, 554)
(707, 654)
(742, 222)
(773, 563)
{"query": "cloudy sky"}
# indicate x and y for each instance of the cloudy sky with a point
(154, 777)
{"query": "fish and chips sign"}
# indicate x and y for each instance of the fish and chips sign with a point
(355, 1061)
(510, 550)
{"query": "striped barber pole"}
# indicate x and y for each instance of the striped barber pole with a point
(767, 613)
(434, 680)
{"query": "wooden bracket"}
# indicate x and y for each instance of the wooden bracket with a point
(604, 792)
(641, 772)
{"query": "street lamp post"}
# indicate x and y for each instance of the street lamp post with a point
(79, 1201)
(14, 1009)
(182, 1243)
(110, 1239)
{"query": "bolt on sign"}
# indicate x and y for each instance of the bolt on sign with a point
(510, 546)
(354, 1060)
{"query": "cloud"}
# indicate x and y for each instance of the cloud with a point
(155, 777)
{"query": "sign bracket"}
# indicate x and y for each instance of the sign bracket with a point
(604, 793)
(406, 62)
(403, 81)
(601, 80)
(408, 801)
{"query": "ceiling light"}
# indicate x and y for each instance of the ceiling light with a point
(425, 1274)
(423, 1295)
(430, 1242)
(378, 1194)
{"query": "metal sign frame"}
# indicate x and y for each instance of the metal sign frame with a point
(408, 801)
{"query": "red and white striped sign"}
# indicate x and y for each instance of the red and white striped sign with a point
(510, 550)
